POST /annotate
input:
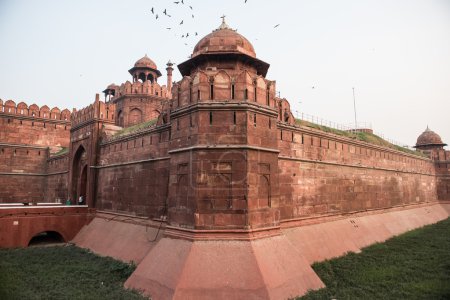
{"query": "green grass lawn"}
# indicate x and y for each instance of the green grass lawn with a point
(62, 272)
(415, 265)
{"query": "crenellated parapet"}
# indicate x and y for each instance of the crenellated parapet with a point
(146, 88)
(34, 111)
(98, 110)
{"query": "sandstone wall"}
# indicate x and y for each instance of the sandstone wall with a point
(34, 126)
(133, 174)
(323, 174)
(56, 189)
(27, 133)
(22, 171)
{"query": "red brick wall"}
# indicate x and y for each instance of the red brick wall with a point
(22, 171)
(133, 174)
(16, 129)
(57, 179)
(325, 174)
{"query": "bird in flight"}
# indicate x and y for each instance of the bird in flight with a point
(182, 36)
(153, 12)
(187, 34)
(192, 16)
(176, 2)
(165, 12)
(181, 23)
(196, 33)
(157, 16)
(168, 28)
(190, 7)
(182, 1)
(276, 26)
(245, 1)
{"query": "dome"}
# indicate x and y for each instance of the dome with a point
(429, 138)
(224, 39)
(145, 62)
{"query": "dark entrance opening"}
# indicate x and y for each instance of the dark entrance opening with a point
(83, 181)
(46, 238)
(79, 176)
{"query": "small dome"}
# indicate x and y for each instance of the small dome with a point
(145, 62)
(429, 138)
(224, 39)
(112, 86)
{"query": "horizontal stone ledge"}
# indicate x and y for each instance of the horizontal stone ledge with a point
(130, 163)
(226, 105)
(224, 147)
(31, 174)
(352, 166)
(221, 234)
(23, 146)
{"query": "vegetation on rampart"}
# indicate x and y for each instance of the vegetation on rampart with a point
(360, 136)
(135, 128)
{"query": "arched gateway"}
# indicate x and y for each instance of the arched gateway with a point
(79, 175)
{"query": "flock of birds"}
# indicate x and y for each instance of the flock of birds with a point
(184, 35)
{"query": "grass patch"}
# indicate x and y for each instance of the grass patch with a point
(361, 136)
(63, 150)
(62, 272)
(135, 128)
(415, 265)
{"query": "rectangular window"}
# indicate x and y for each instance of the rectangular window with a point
(211, 92)
(246, 94)
(234, 118)
(210, 118)
(198, 95)
(232, 91)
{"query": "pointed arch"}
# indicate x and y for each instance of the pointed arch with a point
(79, 174)
(200, 86)
(222, 86)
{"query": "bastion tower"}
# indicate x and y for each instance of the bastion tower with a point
(223, 149)
(223, 200)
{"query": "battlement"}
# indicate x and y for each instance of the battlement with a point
(96, 110)
(22, 109)
(139, 88)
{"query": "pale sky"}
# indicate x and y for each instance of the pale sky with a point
(396, 54)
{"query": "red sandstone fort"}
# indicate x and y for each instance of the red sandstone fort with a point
(209, 184)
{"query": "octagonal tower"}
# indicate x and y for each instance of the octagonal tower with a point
(224, 171)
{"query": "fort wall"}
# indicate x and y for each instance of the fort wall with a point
(323, 174)
(56, 188)
(28, 134)
(133, 174)
(33, 125)
(22, 173)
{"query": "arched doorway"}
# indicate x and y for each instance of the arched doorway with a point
(79, 175)
(83, 182)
